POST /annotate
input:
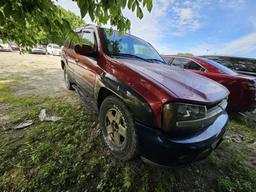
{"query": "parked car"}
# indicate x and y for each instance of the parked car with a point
(242, 65)
(39, 49)
(168, 117)
(242, 88)
(53, 49)
(5, 46)
(14, 46)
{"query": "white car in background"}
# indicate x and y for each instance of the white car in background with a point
(39, 49)
(4, 46)
(53, 49)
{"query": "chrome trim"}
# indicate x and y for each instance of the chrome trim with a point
(211, 116)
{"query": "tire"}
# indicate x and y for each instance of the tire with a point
(68, 84)
(125, 146)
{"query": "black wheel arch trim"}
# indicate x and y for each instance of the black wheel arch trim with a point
(139, 107)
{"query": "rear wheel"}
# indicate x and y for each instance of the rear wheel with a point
(68, 84)
(118, 129)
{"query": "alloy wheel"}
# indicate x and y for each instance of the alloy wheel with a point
(116, 128)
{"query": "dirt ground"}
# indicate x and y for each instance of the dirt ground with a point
(42, 73)
(69, 155)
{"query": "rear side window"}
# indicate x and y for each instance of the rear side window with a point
(187, 64)
(227, 62)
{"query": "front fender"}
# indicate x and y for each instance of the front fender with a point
(138, 106)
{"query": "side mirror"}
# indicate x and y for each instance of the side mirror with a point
(86, 50)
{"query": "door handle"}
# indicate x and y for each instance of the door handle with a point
(76, 60)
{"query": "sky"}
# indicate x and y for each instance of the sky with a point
(222, 27)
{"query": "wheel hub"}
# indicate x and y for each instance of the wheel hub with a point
(115, 127)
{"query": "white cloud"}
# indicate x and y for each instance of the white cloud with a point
(239, 47)
(72, 6)
(168, 18)
(244, 44)
(153, 26)
(185, 20)
(252, 20)
(232, 4)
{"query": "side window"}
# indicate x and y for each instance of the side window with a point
(180, 62)
(193, 66)
(223, 61)
(187, 64)
(89, 38)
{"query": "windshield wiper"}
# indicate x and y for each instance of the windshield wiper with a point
(129, 55)
(156, 60)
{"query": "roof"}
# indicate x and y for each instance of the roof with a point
(226, 56)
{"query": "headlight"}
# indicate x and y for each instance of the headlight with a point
(187, 112)
(176, 112)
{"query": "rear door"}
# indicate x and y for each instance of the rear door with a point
(70, 58)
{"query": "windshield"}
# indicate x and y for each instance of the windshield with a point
(130, 46)
(41, 47)
(56, 46)
(220, 67)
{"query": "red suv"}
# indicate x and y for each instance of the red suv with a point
(145, 108)
(242, 88)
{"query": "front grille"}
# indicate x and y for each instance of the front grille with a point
(223, 105)
(214, 105)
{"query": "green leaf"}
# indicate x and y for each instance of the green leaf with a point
(139, 13)
(130, 4)
(149, 5)
(123, 3)
(83, 7)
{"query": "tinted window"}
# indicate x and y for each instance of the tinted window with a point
(223, 61)
(187, 64)
(56, 46)
(220, 67)
(117, 44)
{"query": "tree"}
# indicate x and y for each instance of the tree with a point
(28, 21)
(185, 54)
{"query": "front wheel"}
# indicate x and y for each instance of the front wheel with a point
(118, 129)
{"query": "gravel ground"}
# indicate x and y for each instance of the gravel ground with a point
(42, 73)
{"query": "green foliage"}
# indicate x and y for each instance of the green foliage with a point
(104, 11)
(185, 54)
(237, 178)
(29, 22)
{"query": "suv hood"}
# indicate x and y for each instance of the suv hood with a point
(183, 85)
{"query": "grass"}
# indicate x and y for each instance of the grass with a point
(69, 155)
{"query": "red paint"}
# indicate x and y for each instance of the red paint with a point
(242, 97)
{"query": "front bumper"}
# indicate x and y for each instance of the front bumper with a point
(159, 148)
(38, 52)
